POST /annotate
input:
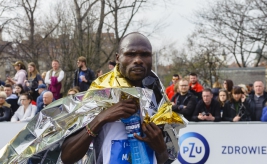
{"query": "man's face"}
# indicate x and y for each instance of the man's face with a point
(80, 64)
(175, 79)
(40, 90)
(206, 96)
(258, 87)
(47, 98)
(55, 65)
(193, 79)
(183, 86)
(135, 58)
(8, 91)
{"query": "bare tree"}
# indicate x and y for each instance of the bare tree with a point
(235, 26)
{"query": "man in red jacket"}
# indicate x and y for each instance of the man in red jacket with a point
(170, 90)
(195, 87)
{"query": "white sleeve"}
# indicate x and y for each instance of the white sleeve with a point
(34, 109)
(47, 80)
(60, 76)
(15, 116)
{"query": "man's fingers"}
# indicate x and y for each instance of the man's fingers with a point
(144, 139)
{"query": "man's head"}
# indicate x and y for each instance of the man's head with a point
(81, 61)
(41, 88)
(8, 89)
(183, 86)
(111, 65)
(258, 87)
(207, 96)
(193, 78)
(134, 57)
(175, 78)
(55, 64)
(48, 97)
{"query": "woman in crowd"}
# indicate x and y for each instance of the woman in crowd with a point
(222, 98)
(5, 109)
(99, 73)
(18, 91)
(244, 89)
(34, 80)
(26, 111)
(237, 109)
(20, 75)
(215, 89)
(228, 85)
(72, 91)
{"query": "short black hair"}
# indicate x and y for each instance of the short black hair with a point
(207, 90)
(8, 86)
(193, 74)
(176, 75)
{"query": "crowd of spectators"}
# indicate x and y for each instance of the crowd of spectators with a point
(28, 92)
(226, 102)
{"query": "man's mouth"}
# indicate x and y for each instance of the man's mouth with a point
(138, 69)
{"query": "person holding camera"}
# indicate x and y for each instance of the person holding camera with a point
(237, 109)
(207, 109)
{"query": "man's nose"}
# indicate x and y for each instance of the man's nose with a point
(138, 59)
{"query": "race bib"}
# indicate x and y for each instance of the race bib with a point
(121, 152)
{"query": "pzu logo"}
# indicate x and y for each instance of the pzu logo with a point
(194, 149)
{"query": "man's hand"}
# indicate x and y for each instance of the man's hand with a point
(123, 109)
(200, 116)
(236, 118)
(154, 138)
(209, 117)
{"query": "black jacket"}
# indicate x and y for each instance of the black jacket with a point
(5, 113)
(214, 110)
(252, 106)
(190, 102)
(230, 112)
(89, 76)
(14, 104)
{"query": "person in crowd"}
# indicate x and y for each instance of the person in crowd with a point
(228, 85)
(99, 73)
(215, 89)
(34, 80)
(1, 88)
(184, 102)
(43, 76)
(83, 75)
(72, 91)
(20, 75)
(18, 91)
(195, 87)
(5, 110)
(55, 79)
(244, 89)
(41, 89)
(207, 109)
(250, 89)
(134, 64)
(111, 65)
(237, 109)
(170, 89)
(47, 99)
(2, 83)
(26, 111)
(264, 113)
(11, 99)
(222, 99)
(257, 101)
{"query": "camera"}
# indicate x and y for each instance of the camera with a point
(241, 113)
(205, 113)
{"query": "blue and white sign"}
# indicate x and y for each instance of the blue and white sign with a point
(194, 148)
